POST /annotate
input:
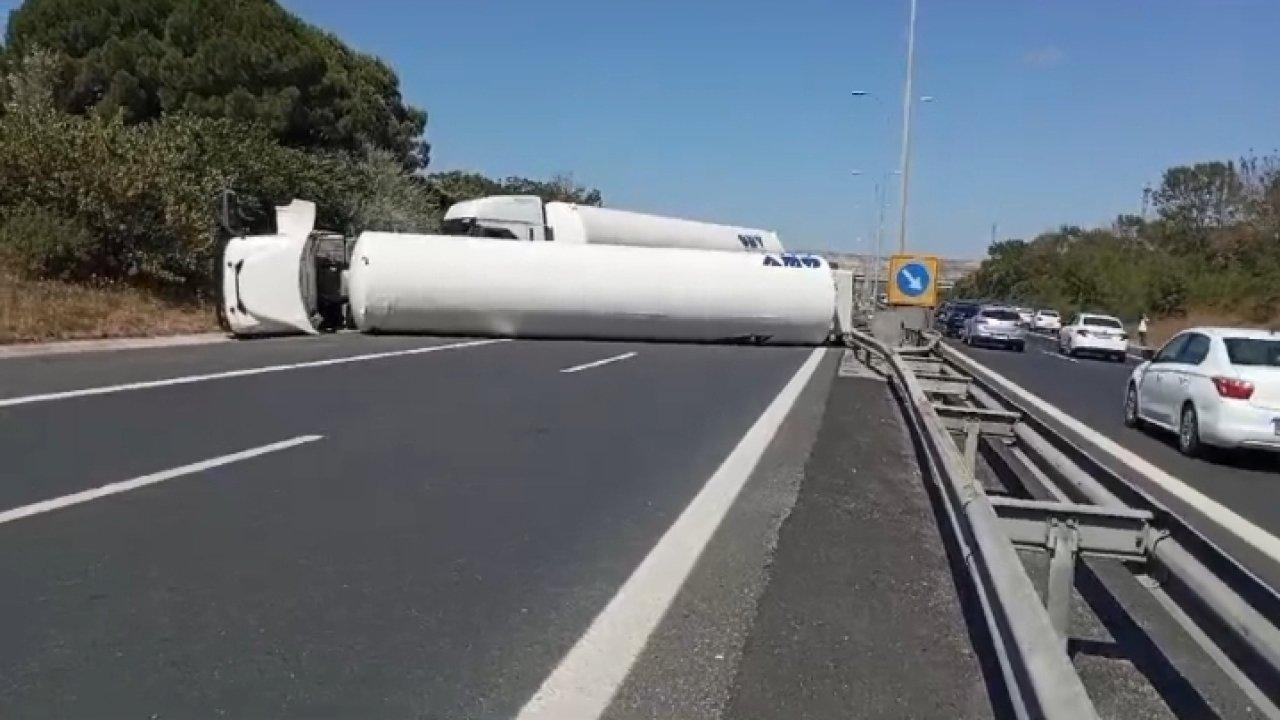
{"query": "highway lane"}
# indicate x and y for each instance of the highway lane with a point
(39, 374)
(463, 517)
(1092, 391)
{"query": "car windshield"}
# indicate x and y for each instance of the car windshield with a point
(1250, 351)
(1102, 322)
(963, 310)
(1000, 314)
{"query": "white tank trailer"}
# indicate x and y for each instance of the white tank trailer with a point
(526, 217)
(295, 282)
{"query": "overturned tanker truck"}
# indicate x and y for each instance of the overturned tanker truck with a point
(578, 277)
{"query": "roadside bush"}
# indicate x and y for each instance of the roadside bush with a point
(93, 195)
(146, 193)
(386, 199)
(42, 244)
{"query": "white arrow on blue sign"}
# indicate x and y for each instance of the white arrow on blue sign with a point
(913, 279)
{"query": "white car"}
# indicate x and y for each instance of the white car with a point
(1212, 386)
(995, 325)
(1025, 316)
(1046, 321)
(1095, 334)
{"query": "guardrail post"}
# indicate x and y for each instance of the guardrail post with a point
(971, 433)
(1064, 542)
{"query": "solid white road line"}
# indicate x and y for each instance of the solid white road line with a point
(1252, 535)
(148, 384)
(584, 683)
(116, 488)
(598, 363)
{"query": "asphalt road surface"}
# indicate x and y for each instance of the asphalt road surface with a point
(341, 526)
(1092, 391)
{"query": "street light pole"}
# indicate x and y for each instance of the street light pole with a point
(905, 164)
(882, 199)
(872, 273)
(875, 266)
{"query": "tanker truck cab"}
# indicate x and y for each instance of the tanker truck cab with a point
(288, 282)
(500, 217)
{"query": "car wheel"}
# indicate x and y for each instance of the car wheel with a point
(1131, 418)
(1119, 357)
(1189, 432)
(1020, 347)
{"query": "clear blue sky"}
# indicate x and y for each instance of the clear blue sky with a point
(1045, 113)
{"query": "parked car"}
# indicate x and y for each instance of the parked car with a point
(1047, 321)
(996, 325)
(957, 315)
(1094, 334)
(940, 314)
(1212, 386)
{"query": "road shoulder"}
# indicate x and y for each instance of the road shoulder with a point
(69, 347)
(687, 666)
(861, 616)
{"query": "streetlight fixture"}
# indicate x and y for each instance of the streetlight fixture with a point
(903, 170)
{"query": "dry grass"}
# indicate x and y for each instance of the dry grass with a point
(42, 310)
(1165, 328)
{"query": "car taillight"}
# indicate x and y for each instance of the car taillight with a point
(1233, 388)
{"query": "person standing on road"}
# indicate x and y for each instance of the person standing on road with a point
(1142, 330)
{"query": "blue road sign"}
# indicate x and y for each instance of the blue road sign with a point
(913, 279)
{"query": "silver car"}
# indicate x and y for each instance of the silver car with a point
(995, 325)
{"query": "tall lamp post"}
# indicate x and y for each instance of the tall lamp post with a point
(903, 169)
(905, 164)
(873, 273)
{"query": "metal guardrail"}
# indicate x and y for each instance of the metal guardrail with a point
(1234, 608)
(952, 403)
(1037, 672)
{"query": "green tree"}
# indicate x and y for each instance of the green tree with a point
(1195, 199)
(455, 186)
(245, 60)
